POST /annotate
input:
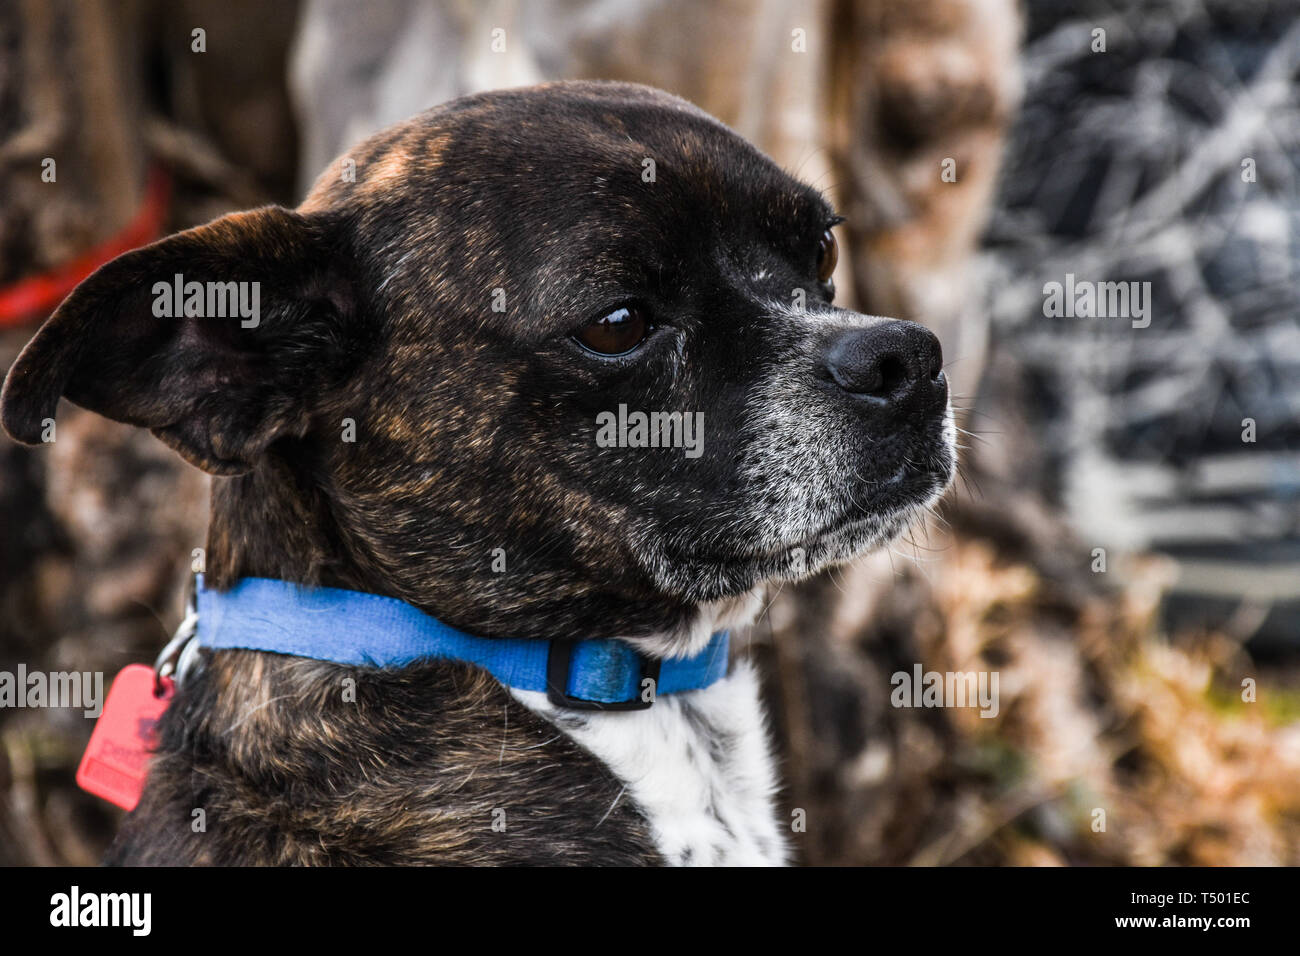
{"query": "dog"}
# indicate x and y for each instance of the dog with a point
(411, 415)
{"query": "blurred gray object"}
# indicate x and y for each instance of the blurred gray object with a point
(1131, 165)
(358, 68)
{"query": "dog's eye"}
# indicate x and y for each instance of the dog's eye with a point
(617, 333)
(828, 254)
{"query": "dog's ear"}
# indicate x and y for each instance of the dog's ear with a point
(218, 388)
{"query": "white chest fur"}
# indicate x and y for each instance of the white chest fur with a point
(698, 765)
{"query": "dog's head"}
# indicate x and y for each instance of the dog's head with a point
(563, 357)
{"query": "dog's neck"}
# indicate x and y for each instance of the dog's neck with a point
(275, 522)
(699, 802)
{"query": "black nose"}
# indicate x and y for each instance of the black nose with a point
(895, 364)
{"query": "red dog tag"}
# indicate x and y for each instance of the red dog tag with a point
(116, 760)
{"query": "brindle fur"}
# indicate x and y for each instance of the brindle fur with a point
(474, 431)
(417, 770)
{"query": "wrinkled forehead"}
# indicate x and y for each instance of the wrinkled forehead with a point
(541, 186)
(550, 143)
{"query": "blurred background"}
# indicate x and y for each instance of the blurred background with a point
(1123, 548)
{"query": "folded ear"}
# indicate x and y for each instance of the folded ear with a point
(215, 339)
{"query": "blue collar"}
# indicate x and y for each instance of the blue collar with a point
(350, 627)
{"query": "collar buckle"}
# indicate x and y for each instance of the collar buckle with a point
(559, 660)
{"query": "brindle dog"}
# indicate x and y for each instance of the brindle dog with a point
(500, 270)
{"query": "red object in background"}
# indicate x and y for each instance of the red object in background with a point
(116, 760)
(39, 295)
